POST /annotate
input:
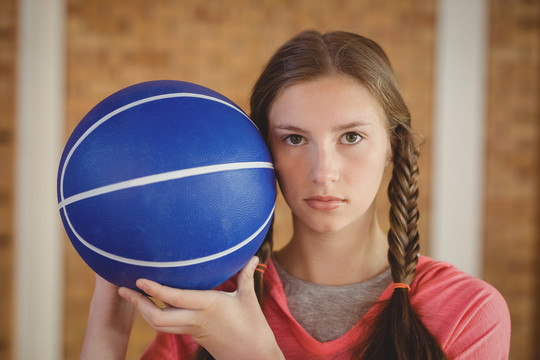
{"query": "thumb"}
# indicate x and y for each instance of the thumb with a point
(245, 278)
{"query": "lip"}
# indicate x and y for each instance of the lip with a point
(324, 202)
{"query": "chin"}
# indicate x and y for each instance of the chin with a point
(322, 226)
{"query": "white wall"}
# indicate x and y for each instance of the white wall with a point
(40, 129)
(458, 139)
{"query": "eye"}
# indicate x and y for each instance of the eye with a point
(295, 140)
(350, 138)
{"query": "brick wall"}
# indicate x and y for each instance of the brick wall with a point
(223, 45)
(512, 197)
(7, 170)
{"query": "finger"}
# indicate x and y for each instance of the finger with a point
(167, 319)
(135, 298)
(188, 299)
(245, 277)
(171, 320)
(143, 304)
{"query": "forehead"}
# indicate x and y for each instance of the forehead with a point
(334, 99)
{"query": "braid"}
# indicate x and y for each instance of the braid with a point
(264, 253)
(397, 332)
(403, 194)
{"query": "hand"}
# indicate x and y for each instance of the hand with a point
(109, 323)
(215, 319)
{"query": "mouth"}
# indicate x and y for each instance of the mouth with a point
(325, 203)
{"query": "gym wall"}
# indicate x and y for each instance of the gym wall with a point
(224, 45)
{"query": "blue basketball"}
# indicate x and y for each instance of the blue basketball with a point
(169, 181)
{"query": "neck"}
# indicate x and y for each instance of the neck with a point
(352, 255)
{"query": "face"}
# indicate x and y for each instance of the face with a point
(330, 146)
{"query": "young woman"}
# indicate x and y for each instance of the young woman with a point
(335, 123)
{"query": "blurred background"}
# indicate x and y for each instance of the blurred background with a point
(469, 71)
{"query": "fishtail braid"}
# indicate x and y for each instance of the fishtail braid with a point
(398, 333)
(403, 194)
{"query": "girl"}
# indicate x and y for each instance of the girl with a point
(330, 110)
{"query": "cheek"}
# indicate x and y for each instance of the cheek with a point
(368, 171)
(380, 165)
(382, 156)
(280, 167)
(286, 172)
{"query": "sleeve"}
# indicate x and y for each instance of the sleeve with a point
(170, 347)
(483, 331)
(468, 316)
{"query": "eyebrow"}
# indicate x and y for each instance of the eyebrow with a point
(344, 127)
(351, 125)
(288, 128)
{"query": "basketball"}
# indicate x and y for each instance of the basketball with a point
(168, 181)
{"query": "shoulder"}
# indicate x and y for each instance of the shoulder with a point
(437, 279)
(465, 313)
(440, 284)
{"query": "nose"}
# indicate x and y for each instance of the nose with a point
(325, 166)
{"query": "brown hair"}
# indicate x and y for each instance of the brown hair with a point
(397, 332)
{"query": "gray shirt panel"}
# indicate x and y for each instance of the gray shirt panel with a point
(328, 312)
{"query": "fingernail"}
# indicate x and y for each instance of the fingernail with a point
(254, 262)
(141, 284)
(123, 292)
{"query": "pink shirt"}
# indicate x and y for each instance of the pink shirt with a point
(468, 317)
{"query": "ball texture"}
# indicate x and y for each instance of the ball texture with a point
(169, 181)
